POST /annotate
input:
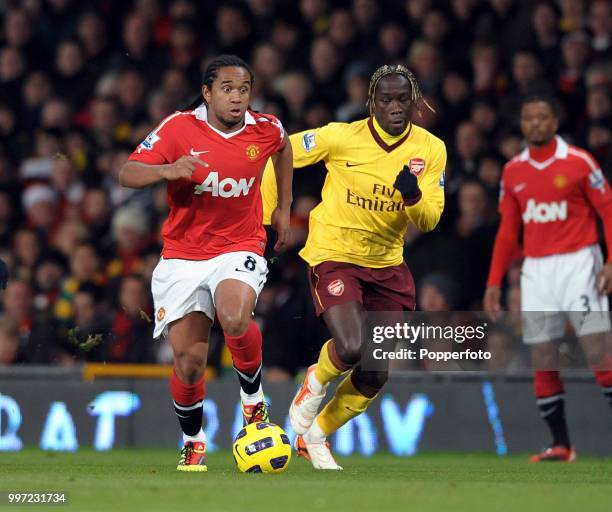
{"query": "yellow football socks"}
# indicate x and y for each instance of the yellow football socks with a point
(347, 403)
(326, 370)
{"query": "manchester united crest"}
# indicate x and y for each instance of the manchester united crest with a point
(252, 151)
(560, 181)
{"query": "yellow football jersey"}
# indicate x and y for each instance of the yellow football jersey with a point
(361, 218)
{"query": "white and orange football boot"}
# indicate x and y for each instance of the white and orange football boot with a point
(306, 404)
(317, 451)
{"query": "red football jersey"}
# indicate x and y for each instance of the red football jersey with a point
(556, 199)
(555, 195)
(220, 209)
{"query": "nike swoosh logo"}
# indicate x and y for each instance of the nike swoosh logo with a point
(520, 187)
(196, 153)
(199, 451)
(240, 270)
(352, 165)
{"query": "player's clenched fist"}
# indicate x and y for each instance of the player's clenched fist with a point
(604, 280)
(281, 224)
(407, 184)
(491, 301)
(182, 168)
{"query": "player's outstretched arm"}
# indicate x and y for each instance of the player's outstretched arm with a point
(138, 175)
(283, 170)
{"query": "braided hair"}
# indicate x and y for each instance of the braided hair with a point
(396, 69)
(212, 72)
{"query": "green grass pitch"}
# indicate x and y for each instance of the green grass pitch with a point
(146, 480)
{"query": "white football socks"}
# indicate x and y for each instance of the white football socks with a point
(314, 434)
(253, 399)
(200, 437)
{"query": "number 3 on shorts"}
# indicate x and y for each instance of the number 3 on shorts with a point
(250, 263)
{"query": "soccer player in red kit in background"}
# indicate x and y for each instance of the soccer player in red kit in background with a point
(553, 190)
(212, 261)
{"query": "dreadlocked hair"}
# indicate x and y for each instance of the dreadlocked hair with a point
(212, 71)
(396, 69)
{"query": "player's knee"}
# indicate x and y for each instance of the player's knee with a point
(233, 324)
(544, 356)
(189, 367)
(348, 350)
(594, 347)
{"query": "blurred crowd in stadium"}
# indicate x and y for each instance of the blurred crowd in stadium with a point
(83, 82)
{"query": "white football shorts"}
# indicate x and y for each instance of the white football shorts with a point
(182, 286)
(560, 288)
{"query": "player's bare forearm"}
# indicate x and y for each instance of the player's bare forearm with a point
(139, 175)
(283, 169)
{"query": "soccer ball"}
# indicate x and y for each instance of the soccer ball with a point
(262, 448)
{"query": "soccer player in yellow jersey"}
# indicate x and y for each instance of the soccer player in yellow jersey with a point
(383, 172)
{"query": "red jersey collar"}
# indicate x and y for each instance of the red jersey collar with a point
(540, 158)
(201, 114)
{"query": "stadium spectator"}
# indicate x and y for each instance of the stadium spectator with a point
(89, 330)
(437, 292)
(27, 249)
(392, 43)
(72, 79)
(10, 345)
(545, 23)
(132, 328)
(468, 145)
(600, 24)
(84, 268)
(130, 232)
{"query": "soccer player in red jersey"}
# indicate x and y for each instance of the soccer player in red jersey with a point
(552, 190)
(212, 261)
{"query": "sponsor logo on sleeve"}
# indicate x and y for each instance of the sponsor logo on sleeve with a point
(308, 141)
(597, 180)
(442, 181)
(149, 142)
(279, 125)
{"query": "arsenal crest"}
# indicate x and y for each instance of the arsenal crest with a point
(336, 287)
(417, 165)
